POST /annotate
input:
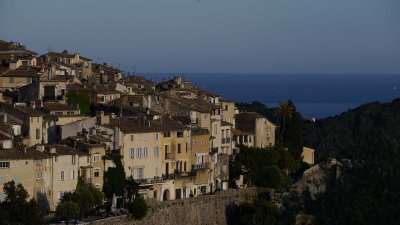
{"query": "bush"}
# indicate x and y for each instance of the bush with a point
(138, 208)
(67, 210)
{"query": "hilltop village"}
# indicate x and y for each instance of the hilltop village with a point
(62, 116)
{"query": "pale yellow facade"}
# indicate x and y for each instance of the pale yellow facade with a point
(142, 156)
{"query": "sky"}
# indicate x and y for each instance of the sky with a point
(215, 36)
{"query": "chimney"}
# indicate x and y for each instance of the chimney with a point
(33, 104)
(149, 101)
(113, 116)
(5, 118)
(53, 150)
(25, 150)
(40, 148)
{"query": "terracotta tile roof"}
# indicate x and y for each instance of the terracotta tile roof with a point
(99, 138)
(29, 111)
(75, 87)
(200, 131)
(53, 106)
(23, 71)
(224, 123)
(104, 90)
(240, 132)
(133, 126)
(15, 154)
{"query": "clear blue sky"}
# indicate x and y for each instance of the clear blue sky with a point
(243, 36)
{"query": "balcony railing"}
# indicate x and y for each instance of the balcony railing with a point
(202, 166)
(169, 155)
(150, 180)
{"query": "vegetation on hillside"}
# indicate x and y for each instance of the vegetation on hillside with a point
(367, 143)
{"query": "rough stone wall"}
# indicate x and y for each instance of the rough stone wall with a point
(204, 210)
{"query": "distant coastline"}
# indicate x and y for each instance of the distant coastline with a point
(315, 95)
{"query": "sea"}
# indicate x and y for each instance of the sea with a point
(315, 95)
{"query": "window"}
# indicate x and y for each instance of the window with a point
(194, 143)
(37, 134)
(202, 142)
(140, 173)
(62, 177)
(138, 153)
(132, 153)
(179, 148)
(184, 167)
(56, 159)
(73, 159)
(96, 158)
(145, 152)
(156, 172)
(42, 190)
(38, 175)
(38, 162)
(179, 134)
(131, 137)
(72, 174)
(145, 137)
(226, 107)
(58, 113)
(205, 116)
(215, 128)
(156, 137)
(4, 165)
(70, 113)
(167, 134)
(11, 80)
(96, 172)
(156, 152)
(186, 147)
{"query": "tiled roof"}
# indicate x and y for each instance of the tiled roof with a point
(133, 126)
(200, 131)
(15, 154)
(23, 71)
(99, 138)
(57, 106)
(224, 123)
(29, 111)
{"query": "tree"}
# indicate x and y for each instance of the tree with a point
(16, 209)
(285, 111)
(84, 198)
(114, 179)
(131, 187)
(67, 210)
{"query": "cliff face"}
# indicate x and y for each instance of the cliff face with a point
(206, 210)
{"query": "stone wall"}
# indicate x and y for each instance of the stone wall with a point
(204, 210)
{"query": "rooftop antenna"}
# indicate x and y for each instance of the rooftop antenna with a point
(134, 69)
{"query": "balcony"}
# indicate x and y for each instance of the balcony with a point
(202, 166)
(169, 156)
(149, 181)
